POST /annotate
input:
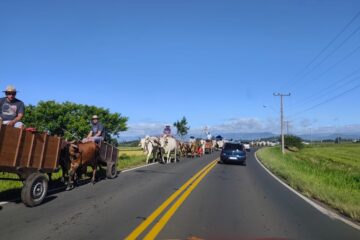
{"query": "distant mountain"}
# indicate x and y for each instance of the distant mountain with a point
(323, 136)
(248, 136)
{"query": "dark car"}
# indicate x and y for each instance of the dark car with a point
(233, 153)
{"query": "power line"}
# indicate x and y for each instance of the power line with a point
(338, 62)
(333, 51)
(303, 71)
(315, 96)
(343, 59)
(326, 101)
(325, 91)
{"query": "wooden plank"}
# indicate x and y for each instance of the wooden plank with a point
(51, 154)
(23, 150)
(8, 145)
(18, 147)
(111, 155)
(105, 152)
(57, 155)
(36, 156)
(42, 155)
(116, 154)
(31, 150)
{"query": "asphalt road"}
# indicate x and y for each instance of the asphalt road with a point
(230, 202)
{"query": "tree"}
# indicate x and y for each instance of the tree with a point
(71, 120)
(181, 127)
(293, 142)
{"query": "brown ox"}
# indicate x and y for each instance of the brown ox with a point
(83, 155)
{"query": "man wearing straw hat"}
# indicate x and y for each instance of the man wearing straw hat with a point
(11, 109)
(97, 132)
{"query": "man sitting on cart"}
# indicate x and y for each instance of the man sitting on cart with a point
(11, 109)
(97, 132)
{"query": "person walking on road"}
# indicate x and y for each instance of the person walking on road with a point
(12, 109)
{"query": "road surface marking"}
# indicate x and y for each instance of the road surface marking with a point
(142, 166)
(323, 210)
(167, 216)
(163, 206)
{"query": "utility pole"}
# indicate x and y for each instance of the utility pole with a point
(287, 127)
(281, 95)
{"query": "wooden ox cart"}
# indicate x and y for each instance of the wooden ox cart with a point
(208, 146)
(109, 156)
(32, 156)
(29, 155)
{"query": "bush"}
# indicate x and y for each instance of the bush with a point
(293, 142)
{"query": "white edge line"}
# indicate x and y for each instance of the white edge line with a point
(323, 210)
(142, 166)
(59, 188)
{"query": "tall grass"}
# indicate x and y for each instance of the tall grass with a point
(329, 173)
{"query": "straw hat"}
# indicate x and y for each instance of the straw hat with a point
(10, 88)
(95, 117)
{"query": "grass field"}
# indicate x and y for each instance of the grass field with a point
(329, 173)
(128, 157)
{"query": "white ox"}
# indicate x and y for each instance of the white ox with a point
(169, 144)
(150, 145)
(203, 145)
(220, 144)
(213, 144)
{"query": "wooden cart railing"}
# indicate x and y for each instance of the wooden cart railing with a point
(109, 156)
(24, 152)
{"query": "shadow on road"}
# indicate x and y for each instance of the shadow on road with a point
(54, 187)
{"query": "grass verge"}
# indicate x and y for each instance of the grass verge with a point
(326, 172)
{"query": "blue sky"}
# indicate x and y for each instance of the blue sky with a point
(215, 62)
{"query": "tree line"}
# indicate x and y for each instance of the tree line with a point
(72, 121)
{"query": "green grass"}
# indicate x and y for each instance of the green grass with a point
(128, 157)
(128, 161)
(10, 180)
(329, 173)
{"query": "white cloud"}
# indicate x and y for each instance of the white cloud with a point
(142, 129)
(243, 125)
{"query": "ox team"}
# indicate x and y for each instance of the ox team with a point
(166, 144)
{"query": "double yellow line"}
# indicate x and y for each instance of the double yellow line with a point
(186, 189)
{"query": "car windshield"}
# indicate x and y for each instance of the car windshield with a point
(231, 146)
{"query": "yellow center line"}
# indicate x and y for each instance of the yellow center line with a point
(162, 207)
(167, 216)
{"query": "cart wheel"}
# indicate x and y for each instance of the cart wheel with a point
(34, 189)
(111, 171)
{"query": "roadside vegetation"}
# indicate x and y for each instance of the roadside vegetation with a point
(329, 173)
(128, 157)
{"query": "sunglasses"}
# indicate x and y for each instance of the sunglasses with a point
(10, 93)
